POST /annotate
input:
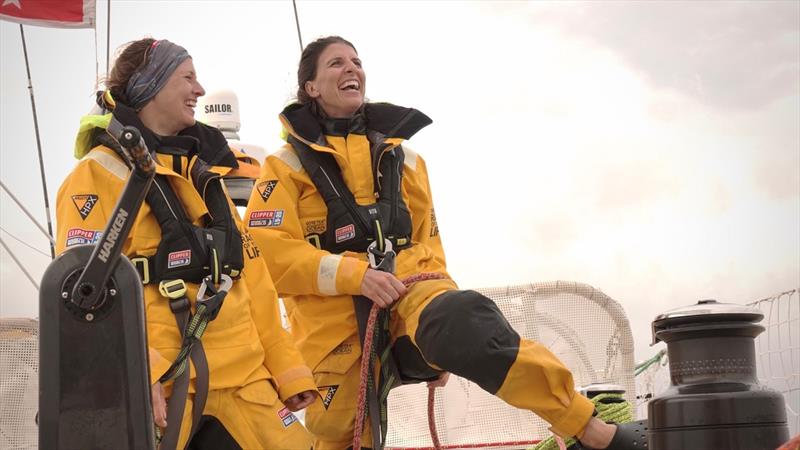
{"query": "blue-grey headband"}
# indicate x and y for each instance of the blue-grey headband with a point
(163, 58)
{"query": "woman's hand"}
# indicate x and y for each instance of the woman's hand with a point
(297, 402)
(383, 288)
(159, 405)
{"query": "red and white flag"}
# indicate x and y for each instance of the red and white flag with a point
(50, 13)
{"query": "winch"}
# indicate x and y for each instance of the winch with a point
(714, 400)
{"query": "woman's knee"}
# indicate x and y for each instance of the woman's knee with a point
(465, 333)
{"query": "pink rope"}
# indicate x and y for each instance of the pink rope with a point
(432, 418)
(358, 430)
(364, 373)
(482, 446)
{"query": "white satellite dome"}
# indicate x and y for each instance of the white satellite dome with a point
(220, 109)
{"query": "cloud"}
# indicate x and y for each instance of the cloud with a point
(632, 184)
(725, 54)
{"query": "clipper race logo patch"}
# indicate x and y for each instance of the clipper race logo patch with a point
(265, 188)
(286, 417)
(266, 218)
(84, 203)
(327, 393)
(179, 259)
(345, 233)
(79, 236)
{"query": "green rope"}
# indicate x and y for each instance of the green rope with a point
(641, 367)
(611, 407)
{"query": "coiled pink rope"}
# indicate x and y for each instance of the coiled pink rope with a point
(366, 350)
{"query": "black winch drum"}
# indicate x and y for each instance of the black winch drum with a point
(594, 389)
(714, 400)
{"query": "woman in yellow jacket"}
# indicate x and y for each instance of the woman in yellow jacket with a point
(344, 183)
(253, 376)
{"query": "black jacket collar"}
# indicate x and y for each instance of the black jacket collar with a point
(389, 120)
(207, 142)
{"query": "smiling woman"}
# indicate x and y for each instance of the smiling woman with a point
(187, 228)
(172, 109)
(330, 73)
(166, 111)
(354, 246)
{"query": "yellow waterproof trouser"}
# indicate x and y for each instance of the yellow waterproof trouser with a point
(465, 327)
(332, 420)
(254, 416)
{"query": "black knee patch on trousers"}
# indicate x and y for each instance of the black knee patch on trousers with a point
(412, 366)
(465, 333)
(212, 435)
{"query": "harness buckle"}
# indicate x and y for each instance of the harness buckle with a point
(378, 260)
(144, 263)
(172, 289)
(213, 302)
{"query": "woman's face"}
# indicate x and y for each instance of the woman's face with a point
(172, 108)
(340, 82)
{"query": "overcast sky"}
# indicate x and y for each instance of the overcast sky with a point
(649, 149)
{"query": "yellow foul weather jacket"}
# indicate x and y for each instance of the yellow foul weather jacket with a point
(246, 342)
(317, 286)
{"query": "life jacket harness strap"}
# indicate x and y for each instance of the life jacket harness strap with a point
(209, 255)
(210, 298)
(373, 333)
(382, 229)
(215, 276)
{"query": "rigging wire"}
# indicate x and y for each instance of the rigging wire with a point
(297, 23)
(19, 263)
(96, 59)
(23, 242)
(108, 35)
(30, 216)
(38, 146)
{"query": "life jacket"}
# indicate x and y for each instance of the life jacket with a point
(351, 226)
(186, 251)
(354, 227)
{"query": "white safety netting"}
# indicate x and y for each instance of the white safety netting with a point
(778, 351)
(19, 383)
(585, 328)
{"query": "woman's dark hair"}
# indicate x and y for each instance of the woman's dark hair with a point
(132, 57)
(307, 70)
